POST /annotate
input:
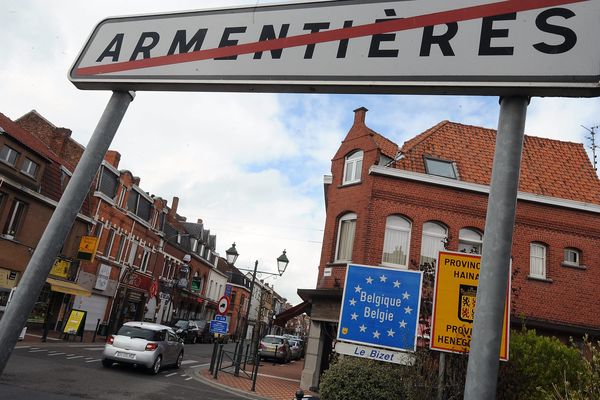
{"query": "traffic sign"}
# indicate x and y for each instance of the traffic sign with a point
(223, 306)
(524, 47)
(380, 307)
(221, 318)
(455, 290)
(219, 327)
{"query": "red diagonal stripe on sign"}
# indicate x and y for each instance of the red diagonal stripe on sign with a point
(462, 14)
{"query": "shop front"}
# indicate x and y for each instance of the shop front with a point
(130, 301)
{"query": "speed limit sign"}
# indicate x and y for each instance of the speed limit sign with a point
(223, 305)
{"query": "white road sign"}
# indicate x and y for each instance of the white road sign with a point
(527, 47)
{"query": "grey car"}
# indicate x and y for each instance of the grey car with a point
(144, 343)
(275, 347)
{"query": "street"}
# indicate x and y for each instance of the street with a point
(61, 371)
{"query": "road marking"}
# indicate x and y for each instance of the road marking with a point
(24, 347)
(97, 359)
(70, 355)
(171, 374)
(94, 348)
(37, 351)
(89, 358)
(71, 358)
(55, 354)
(189, 378)
(199, 365)
(188, 362)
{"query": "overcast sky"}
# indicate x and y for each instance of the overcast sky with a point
(250, 166)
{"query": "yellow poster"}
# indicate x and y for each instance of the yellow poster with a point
(455, 291)
(61, 268)
(87, 248)
(76, 318)
(8, 278)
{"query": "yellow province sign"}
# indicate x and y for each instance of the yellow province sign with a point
(455, 291)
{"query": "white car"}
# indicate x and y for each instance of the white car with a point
(144, 343)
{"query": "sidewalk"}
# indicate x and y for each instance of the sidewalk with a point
(274, 381)
(35, 335)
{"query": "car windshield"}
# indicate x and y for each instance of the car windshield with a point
(272, 340)
(181, 324)
(140, 333)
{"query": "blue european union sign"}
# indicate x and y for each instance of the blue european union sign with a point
(380, 307)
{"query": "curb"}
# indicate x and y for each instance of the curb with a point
(213, 383)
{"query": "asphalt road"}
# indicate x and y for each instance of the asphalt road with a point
(68, 371)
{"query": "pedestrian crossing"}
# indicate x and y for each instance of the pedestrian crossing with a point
(90, 359)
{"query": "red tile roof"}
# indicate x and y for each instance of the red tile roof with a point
(549, 167)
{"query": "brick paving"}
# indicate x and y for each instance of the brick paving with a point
(274, 381)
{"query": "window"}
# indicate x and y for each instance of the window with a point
(144, 210)
(396, 240)
(440, 168)
(121, 200)
(110, 237)
(9, 155)
(109, 182)
(122, 240)
(132, 253)
(132, 201)
(537, 261)
(15, 216)
(145, 259)
(572, 257)
(29, 167)
(470, 241)
(345, 239)
(353, 167)
(433, 241)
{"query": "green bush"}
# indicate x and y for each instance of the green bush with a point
(587, 384)
(352, 378)
(536, 364)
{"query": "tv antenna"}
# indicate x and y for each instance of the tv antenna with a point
(594, 146)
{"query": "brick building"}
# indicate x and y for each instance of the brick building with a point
(398, 207)
(150, 263)
(32, 180)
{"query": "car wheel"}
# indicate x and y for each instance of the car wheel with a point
(179, 360)
(156, 366)
(107, 363)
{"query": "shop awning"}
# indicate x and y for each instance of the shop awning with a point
(67, 287)
(285, 316)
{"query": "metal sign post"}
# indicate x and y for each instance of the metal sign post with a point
(60, 224)
(482, 370)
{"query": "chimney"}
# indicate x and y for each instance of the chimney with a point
(359, 116)
(113, 158)
(174, 205)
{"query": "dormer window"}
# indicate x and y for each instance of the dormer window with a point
(29, 167)
(9, 155)
(353, 167)
(438, 167)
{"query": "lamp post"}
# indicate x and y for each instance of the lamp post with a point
(282, 263)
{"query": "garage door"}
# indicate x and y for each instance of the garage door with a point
(95, 306)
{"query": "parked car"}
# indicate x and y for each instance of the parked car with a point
(188, 330)
(275, 347)
(146, 344)
(204, 335)
(296, 348)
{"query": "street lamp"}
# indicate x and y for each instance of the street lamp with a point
(282, 263)
(232, 254)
